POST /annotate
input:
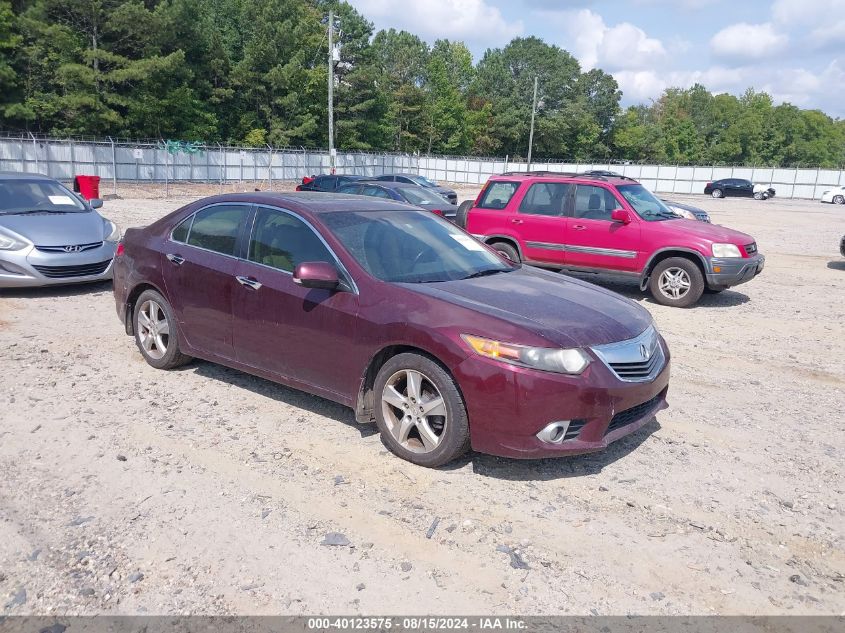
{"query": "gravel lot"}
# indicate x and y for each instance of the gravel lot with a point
(206, 491)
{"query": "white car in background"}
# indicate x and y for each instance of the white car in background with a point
(836, 195)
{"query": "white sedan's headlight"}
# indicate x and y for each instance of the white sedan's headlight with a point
(114, 232)
(687, 215)
(562, 361)
(726, 250)
(9, 243)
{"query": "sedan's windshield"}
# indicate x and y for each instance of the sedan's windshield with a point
(412, 246)
(27, 196)
(647, 206)
(420, 196)
(422, 181)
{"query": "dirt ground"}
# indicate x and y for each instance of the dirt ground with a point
(129, 490)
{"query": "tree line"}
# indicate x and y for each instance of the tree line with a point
(254, 72)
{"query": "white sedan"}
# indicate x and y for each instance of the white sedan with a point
(836, 195)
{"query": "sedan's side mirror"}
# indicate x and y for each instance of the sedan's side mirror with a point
(321, 275)
(620, 215)
(95, 203)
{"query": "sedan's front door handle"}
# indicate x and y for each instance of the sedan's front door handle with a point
(249, 282)
(579, 227)
(176, 259)
(516, 221)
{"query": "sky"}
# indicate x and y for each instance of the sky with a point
(792, 49)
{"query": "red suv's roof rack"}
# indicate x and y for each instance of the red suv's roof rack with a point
(563, 174)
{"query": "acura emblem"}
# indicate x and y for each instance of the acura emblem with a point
(72, 249)
(644, 352)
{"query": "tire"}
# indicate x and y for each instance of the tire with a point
(838, 199)
(759, 196)
(159, 348)
(429, 440)
(717, 193)
(463, 212)
(682, 270)
(507, 251)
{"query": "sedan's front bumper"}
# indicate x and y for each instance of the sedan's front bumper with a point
(732, 271)
(509, 406)
(32, 267)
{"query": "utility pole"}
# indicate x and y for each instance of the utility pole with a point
(531, 135)
(331, 93)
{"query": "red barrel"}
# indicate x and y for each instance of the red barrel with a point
(88, 186)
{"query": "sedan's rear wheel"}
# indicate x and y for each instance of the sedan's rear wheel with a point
(420, 412)
(839, 199)
(758, 195)
(155, 332)
(717, 193)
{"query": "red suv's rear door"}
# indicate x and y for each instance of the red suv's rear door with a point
(593, 240)
(540, 221)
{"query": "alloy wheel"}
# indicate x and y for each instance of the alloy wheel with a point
(839, 199)
(153, 329)
(674, 283)
(414, 410)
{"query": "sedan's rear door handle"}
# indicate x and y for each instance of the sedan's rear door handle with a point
(579, 227)
(249, 282)
(176, 259)
(516, 221)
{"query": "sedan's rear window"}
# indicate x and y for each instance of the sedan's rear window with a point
(216, 228)
(498, 194)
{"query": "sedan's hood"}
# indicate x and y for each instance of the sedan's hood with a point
(711, 232)
(57, 229)
(566, 311)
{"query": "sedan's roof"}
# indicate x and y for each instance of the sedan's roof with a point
(17, 175)
(313, 201)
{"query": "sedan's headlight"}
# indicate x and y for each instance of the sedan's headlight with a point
(684, 213)
(562, 361)
(9, 243)
(114, 232)
(726, 250)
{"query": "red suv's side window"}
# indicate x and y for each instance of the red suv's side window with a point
(594, 203)
(497, 195)
(545, 198)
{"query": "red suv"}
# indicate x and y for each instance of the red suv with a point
(609, 224)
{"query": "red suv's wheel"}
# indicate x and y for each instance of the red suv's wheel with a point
(676, 282)
(507, 251)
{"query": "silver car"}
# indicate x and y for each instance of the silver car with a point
(50, 235)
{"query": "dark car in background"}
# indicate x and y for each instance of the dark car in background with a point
(398, 314)
(738, 188)
(403, 192)
(421, 181)
(327, 182)
(50, 235)
(687, 210)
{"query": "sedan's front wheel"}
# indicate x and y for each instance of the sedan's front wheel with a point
(420, 412)
(838, 199)
(155, 332)
(717, 193)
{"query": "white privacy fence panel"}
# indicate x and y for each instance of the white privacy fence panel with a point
(174, 161)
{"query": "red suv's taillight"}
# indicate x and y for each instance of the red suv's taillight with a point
(120, 249)
(437, 211)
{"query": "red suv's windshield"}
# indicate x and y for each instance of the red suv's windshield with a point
(647, 206)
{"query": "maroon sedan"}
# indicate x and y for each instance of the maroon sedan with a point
(398, 314)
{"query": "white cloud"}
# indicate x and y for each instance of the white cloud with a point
(829, 35)
(748, 41)
(467, 20)
(806, 12)
(595, 44)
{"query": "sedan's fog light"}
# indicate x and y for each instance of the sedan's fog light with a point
(554, 432)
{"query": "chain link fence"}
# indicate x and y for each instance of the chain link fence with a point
(124, 165)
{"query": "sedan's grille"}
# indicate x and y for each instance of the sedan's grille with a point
(84, 270)
(639, 369)
(638, 359)
(70, 248)
(634, 414)
(751, 248)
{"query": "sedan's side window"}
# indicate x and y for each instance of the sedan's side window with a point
(376, 192)
(217, 228)
(594, 203)
(282, 241)
(180, 233)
